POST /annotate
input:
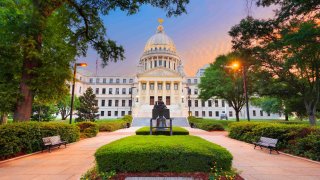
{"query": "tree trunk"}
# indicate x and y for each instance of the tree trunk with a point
(4, 118)
(286, 115)
(237, 116)
(311, 110)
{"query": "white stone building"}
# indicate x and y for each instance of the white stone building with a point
(160, 76)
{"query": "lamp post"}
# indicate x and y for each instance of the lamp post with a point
(189, 101)
(131, 99)
(73, 83)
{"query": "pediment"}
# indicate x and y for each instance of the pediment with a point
(159, 72)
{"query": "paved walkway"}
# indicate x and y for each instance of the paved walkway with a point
(259, 164)
(62, 164)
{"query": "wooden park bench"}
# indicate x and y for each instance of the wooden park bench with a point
(53, 141)
(267, 143)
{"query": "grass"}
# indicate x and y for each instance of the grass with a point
(175, 131)
(162, 154)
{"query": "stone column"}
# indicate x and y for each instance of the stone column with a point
(180, 92)
(147, 93)
(164, 91)
(172, 92)
(155, 91)
(139, 93)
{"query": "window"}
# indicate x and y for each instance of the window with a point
(110, 90)
(130, 103)
(189, 103)
(116, 113)
(261, 113)
(80, 89)
(103, 102)
(195, 81)
(110, 103)
(189, 81)
(97, 80)
(210, 113)
(167, 86)
(116, 103)
(209, 103)
(222, 103)
(150, 64)
(109, 113)
(155, 63)
(174, 66)
(160, 62)
(151, 86)
(268, 114)
(203, 103)
(117, 90)
(111, 81)
(97, 90)
(91, 80)
(196, 113)
(104, 80)
(165, 63)
(203, 114)
(102, 113)
(130, 80)
(123, 103)
(175, 86)
(145, 66)
(123, 90)
(124, 81)
(216, 103)
(160, 86)
(117, 81)
(217, 113)
(230, 114)
(195, 91)
(123, 113)
(196, 103)
(103, 90)
(254, 112)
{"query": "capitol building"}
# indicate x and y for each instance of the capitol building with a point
(160, 76)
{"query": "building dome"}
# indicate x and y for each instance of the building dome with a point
(160, 42)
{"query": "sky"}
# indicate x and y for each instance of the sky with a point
(200, 35)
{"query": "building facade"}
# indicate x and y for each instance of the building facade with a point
(160, 77)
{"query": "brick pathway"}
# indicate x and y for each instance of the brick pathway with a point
(60, 164)
(258, 164)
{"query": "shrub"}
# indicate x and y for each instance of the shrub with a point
(88, 129)
(112, 125)
(175, 131)
(161, 154)
(208, 125)
(26, 137)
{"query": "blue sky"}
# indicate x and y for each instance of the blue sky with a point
(200, 35)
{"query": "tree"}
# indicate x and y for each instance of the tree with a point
(88, 108)
(225, 83)
(64, 106)
(286, 48)
(42, 36)
(43, 112)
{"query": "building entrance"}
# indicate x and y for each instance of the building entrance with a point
(167, 100)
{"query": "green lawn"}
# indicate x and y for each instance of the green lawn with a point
(175, 131)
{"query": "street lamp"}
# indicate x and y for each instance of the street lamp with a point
(73, 83)
(236, 65)
(189, 101)
(131, 99)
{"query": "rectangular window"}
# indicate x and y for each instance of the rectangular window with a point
(90, 80)
(117, 90)
(98, 80)
(195, 91)
(124, 81)
(210, 113)
(103, 90)
(167, 86)
(261, 113)
(103, 102)
(230, 114)
(110, 90)
(116, 113)
(80, 89)
(109, 113)
(123, 90)
(144, 85)
(130, 90)
(110, 103)
(189, 81)
(151, 86)
(117, 103)
(209, 103)
(203, 114)
(165, 63)
(195, 81)
(175, 86)
(216, 103)
(222, 103)
(203, 103)
(196, 113)
(254, 112)
(123, 103)
(97, 90)
(123, 113)
(160, 62)
(102, 113)
(111, 81)
(130, 80)
(155, 63)
(268, 114)
(160, 86)
(189, 103)
(217, 113)
(196, 103)
(117, 81)
(104, 80)
(130, 103)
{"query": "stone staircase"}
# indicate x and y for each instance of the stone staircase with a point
(145, 121)
(146, 111)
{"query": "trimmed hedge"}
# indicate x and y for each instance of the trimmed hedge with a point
(175, 131)
(208, 125)
(301, 140)
(162, 154)
(113, 125)
(88, 129)
(26, 137)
